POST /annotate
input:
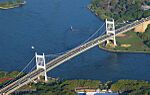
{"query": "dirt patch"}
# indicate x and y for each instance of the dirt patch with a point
(124, 36)
(125, 45)
(121, 35)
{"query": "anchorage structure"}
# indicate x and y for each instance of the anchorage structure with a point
(110, 30)
(40, 63)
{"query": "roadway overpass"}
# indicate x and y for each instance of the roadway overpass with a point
(10, 88)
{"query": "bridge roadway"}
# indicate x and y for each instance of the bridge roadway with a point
(10, 88)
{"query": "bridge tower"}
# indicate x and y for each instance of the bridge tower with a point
(110, 30)
(40, 64)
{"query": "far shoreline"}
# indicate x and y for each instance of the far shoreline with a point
(11, 6)
(88, 7)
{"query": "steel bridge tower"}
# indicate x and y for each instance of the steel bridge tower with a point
(40, 64)
(110, 30)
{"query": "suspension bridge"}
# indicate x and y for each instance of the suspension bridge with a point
(42, 68)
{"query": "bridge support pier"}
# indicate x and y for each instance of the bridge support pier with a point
(110, 30)
(40, 63)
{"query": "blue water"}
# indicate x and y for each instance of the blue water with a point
(45, 24)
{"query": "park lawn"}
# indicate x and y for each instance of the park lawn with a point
(132, 39)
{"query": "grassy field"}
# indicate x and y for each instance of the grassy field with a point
(132, 42)
(132, 39)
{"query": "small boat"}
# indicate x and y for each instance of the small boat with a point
(71, 28)
(32, 47)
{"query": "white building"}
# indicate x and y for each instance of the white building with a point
(87, 91)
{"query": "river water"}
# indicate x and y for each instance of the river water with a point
(45, 24)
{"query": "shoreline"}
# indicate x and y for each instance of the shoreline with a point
(123, 51)
(12, 6)
(88, 7)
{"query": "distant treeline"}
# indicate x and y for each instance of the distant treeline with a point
(120, 10)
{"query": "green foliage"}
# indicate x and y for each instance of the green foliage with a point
(13, 74)
(10, 3)
(131, 86)
(81, 83)
(132, 39)
(67, 87)
(145, 36)
(140, 92)
(2, 74)
(120, 10)
(6, 75)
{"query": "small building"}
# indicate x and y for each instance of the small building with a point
(92, 91)
(95, 93)
(106, 94)
(145, 7)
